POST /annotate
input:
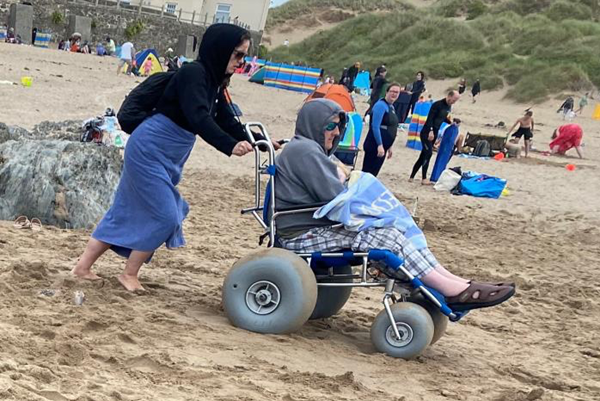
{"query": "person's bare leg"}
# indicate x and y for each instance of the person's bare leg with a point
(442, 270)
(129, 278)
(447, 286)
(93, 251)
(527, 145)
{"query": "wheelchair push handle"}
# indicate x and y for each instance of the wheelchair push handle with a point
(263, 131)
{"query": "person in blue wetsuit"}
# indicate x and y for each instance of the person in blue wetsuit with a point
(382, 131)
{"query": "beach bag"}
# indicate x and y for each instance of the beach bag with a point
(482, 186)
(92, 131)
(448, 180)
(482, 148)
(142, 100)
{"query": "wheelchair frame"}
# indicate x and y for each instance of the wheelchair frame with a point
(364, 279)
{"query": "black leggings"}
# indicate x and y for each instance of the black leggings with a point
(424, 157)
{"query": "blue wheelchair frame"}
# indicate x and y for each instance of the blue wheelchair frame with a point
(266, 214)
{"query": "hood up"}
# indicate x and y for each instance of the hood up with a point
(216, 47)
(314, 117)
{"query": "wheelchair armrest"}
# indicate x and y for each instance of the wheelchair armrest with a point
(303, 207)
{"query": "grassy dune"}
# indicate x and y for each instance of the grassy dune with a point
(537, 47)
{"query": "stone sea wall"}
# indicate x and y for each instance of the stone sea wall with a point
(158, 32)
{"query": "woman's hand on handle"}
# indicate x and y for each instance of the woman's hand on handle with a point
(242, 148)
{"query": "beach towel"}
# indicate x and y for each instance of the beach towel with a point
(445, 151)
(482, 186)
(367, 203)
(466, 156)
(148, 210)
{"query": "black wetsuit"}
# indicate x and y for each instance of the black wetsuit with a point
(402, 105)
(437, 115)
(418, 87)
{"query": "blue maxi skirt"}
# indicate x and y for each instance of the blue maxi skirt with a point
(148, 211)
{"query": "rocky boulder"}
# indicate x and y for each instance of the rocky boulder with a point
(63, 182)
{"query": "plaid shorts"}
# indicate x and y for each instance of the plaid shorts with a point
(419, 262)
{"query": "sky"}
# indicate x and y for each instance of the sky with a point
(275, 3)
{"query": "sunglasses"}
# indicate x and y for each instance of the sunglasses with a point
(341, 124)
(239, 55)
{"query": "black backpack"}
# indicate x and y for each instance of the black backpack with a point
(142, 100)
(482, 148)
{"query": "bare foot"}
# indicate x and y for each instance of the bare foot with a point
(131, 283)
(411, 180)
(426, 182)
(85, 274)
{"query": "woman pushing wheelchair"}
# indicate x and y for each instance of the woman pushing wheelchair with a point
(306, 175)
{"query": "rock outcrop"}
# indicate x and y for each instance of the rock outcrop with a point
(49, 174)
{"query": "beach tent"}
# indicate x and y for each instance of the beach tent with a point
(290, 77)
(363, 83)
(417, 122)
(142, 56)
(42, 39)
(337, 93)
(259, 76)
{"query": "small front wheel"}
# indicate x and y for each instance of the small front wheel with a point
(440, 321)
(414, 325)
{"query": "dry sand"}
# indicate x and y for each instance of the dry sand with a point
(176, 344)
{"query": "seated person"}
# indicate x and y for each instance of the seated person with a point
(306, 175)
(566, 137)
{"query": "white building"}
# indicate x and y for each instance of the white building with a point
(252, 13)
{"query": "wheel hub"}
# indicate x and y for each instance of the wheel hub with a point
(263, 297)
(406, 335)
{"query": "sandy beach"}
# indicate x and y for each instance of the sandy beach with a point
(175, 343)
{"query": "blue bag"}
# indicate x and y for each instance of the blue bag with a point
(483, 186)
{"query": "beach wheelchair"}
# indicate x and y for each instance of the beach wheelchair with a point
(276, 291)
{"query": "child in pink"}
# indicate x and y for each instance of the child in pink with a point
(147, 67)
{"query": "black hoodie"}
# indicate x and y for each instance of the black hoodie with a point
(194, 97)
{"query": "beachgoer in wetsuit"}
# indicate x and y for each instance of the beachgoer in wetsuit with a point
(462, 86)
(526, 126)
(377, 86)
(475, 90)
(382, 131)
(402, 104)
(418, 87)
(439, 113)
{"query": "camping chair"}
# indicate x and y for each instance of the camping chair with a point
(276, 291)
(347, 150)
(497, 142)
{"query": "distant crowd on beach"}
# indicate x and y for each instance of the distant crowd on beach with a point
(391, 104)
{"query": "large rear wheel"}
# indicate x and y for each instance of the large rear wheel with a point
(270, 291)
(330, 300)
